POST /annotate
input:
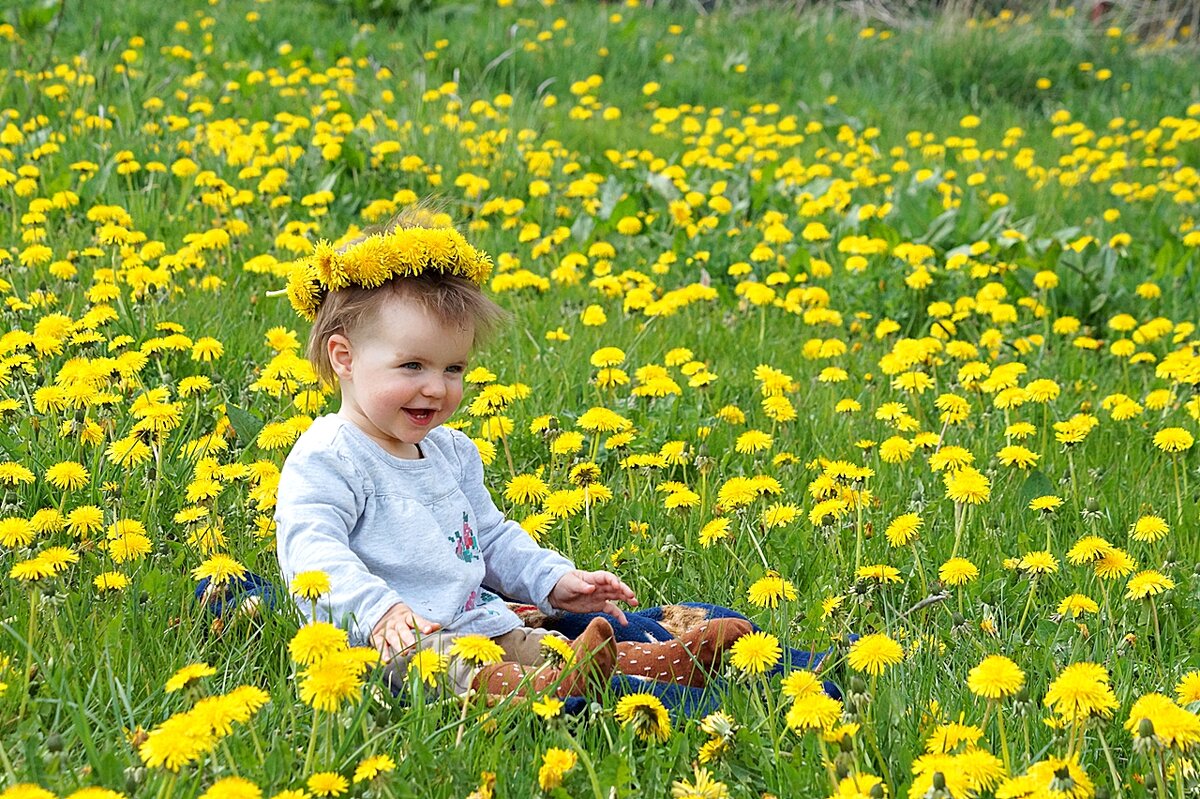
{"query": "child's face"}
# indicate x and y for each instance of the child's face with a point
(401, 374)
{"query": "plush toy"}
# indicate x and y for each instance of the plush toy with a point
(252, 593)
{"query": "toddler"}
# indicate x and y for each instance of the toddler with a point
(392, 505)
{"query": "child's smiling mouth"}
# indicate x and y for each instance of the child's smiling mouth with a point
(421, 416)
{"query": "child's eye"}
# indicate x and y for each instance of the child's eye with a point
(410, 365)
(455, 369)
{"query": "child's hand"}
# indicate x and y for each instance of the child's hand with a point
(592, 592)
(397, 630)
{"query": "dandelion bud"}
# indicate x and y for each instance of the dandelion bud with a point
(1063, 781)
(1151, 783)
(846, 744)
(1146, 741)
(876, 791)
(1101, 792)
(939, 781)
(958, 620)
(842, 769)
(54, 743)
(858, 685)
(134, 776)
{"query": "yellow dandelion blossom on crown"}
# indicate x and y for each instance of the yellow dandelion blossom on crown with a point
(305, 291)
(368, 268)
(373, 260)
(330, 270)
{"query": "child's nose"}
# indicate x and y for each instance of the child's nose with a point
(434, 388)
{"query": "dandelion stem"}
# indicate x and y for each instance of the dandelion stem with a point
(34, 596)
(512, 472)
(1112, 766)
(168, 787)
(959, 523)
(8, 769)
(312, 741)
(825, 761)
(1178, 493)
(462, 721)
(920, 569)
(750, 532)
(1157, 630)
(1033, 583)
(1161, 782)
(1003, 740)
(879, 759)
(858, 534)
(587, 764)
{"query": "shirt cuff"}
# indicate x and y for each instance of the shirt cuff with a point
(552, 579)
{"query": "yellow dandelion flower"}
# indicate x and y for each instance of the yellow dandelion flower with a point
(187, 674)
(755, 653)
(477, 648)
(646, 715)
(874, 653)
(996, 677)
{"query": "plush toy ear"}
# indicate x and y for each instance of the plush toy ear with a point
(341, 355)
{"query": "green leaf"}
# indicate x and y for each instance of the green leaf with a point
(245, 424)
(1035, 485)
(613, 772)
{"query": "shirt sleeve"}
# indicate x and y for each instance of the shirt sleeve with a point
(516, 565)
(320, 499)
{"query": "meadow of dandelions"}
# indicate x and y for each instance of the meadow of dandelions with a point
(894, 351)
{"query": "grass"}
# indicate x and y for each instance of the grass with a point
(813, 117)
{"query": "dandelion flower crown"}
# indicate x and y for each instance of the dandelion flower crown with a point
(376, 259)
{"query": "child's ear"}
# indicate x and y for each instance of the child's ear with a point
(341, 355)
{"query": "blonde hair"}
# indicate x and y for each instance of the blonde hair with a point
(449, 299)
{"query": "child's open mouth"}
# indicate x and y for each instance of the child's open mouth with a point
(420, 415)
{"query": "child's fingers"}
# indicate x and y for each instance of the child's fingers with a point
(611, 609)
(396, 639)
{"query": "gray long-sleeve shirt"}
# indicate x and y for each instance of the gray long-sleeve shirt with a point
(423, 532)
